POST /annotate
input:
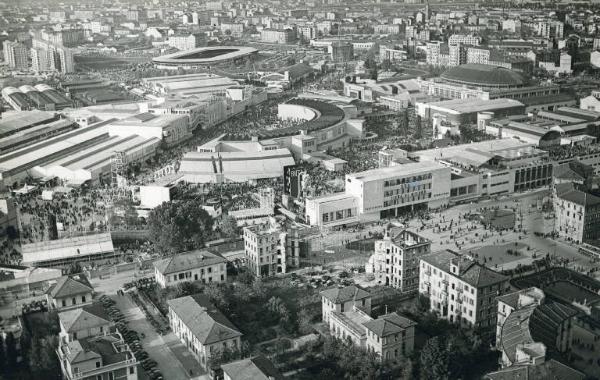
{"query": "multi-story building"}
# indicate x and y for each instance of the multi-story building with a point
(270, 249)
(277, 36)
(307, 32)
(191, 266)
(347, 313)
(71, 37)
(398, 189)
(460, 289)
(388, 28)
(551, 29)
(577, 213)
(465, 39)
(70, 292)
(529, 325)
(103, 357)
(202, 328)
(84, 322)
(457, 54)
(344, 299)
(48, 56)
(396, 259)
(16, 55)
(341, 51)
(514, 301)
(185, 42)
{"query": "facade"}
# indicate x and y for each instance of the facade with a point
(105, 357)
(577, 213)
(171, 129)
(461, 290)
(344, 299)
(341, 51)
(270, 249)
(70, 292)
(391, 191)
(277, 36)
(396, 259)
(591, 102)
(202, 328)
(84, 322)
(331, 210)
(465, 39)
(16, 55)
(183, 43)
(47, 56)
(347, 313)
(190, 266)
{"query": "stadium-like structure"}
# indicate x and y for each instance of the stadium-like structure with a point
(204, 56)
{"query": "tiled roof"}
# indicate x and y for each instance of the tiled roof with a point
(534, 323)
(95, 348)
(550, 369)
(67, 286)
(203, 319)
(568, 192)
(257, 368)
(345, 294)
(84, 318)
(515, 331)
(389, 324)
(187, 261)
(471, 271)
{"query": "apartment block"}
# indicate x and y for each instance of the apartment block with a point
(396, 259)
(460, 289)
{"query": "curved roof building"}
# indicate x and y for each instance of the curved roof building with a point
(486, 76)
(203, 56)
(234, 161)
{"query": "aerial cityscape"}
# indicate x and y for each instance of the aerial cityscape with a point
(311, 190)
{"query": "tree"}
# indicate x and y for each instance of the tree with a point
(11, 351)
(229, 226)
(42, 358)
(435, 361)
(217, 295)
(305, 321)
(75, 268)
(179, 226)
(2, 355)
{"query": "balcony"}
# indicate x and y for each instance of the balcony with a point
(104, 369)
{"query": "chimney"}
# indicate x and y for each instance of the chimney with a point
(455, 266)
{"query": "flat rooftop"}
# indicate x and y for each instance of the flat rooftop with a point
(475, 105)
(395, 171)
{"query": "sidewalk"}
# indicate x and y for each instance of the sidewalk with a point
(158, 348)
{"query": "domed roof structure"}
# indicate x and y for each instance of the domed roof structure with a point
(484, 76)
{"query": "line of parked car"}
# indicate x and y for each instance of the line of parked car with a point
(132, 338)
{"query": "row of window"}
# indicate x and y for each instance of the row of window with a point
(400, 181)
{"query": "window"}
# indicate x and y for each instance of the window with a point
(73, 301)
(97, 364)
(111, 376)
(131, 370)
(82, 298)
(64, 303)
